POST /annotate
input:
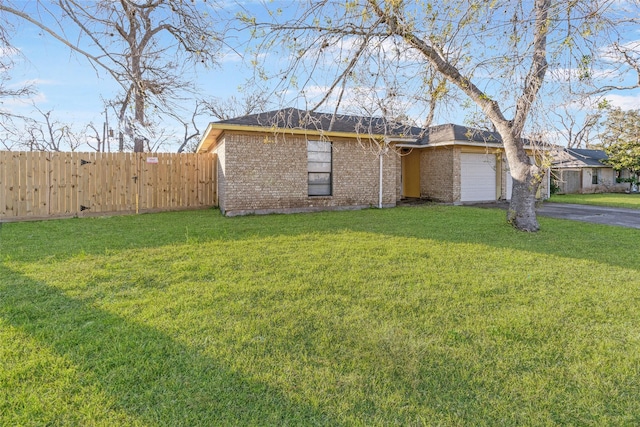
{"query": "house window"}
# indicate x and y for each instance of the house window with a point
(319, 168)
(594, 176)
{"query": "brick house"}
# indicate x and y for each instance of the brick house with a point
(456, 164)
(295, 161)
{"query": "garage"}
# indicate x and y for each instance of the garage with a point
(477, 177)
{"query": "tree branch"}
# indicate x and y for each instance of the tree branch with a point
(61, 39)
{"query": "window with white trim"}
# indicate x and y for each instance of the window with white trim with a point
(319, 168)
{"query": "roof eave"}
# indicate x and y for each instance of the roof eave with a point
(214, 130)
(458, 142)
(209, 139)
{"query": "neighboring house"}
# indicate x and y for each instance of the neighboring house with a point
(291, 161)
(583, 171)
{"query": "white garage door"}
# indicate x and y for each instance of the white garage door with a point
(477, 177)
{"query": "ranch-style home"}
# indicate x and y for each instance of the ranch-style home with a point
(577, 170)
(294, 161)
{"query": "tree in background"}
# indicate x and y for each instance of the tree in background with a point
(580, 131)
(9, 130)
(621, 141)
(602, 63)
(219, 109)
(225, 109)
(494, 53)
(48, 133)
(147, 46)
(7, 54)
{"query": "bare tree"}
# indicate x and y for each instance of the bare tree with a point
(191, 130)
(621, 57)
(220, 109)
(9, 135)
(7, 55)
(494, 53)
(49, 134)
(605, 61)
(147, 46)
(578, 125)
(225, 109)
(96, 138)
(8, 90)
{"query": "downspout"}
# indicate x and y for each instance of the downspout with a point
(548, 183)
(382, 151)
(380, 185)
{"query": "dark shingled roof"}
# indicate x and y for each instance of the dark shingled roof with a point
(450, 132)
(597, 155)
(295, 119)
(292, 118)
(575, 157)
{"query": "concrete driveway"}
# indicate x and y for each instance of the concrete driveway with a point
(588, 213)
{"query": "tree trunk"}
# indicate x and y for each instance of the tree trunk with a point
(138, 145)
(522, 208)
(526, 179)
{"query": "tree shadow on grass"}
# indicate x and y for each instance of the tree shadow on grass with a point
(616, 246)
(612, 245)
(145, 374)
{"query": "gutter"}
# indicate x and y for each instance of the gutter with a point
(458, 143)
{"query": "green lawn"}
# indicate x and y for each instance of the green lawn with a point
(620, 200)
(431, 315)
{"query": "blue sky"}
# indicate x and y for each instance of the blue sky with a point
(74, 90)
(70, 87)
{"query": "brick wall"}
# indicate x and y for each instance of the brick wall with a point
(398, 167)
(268, 173)
(456, 180)
(440, 174)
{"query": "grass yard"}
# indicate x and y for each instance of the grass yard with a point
(430, 315)
(620, 200)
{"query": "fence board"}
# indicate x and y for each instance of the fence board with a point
(11, 177)
(5, 195)
(42, 169)
(40, 185)
(3, 185)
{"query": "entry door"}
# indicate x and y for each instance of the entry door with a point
(411, 174)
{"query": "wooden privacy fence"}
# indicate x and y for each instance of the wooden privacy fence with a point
(42, 184)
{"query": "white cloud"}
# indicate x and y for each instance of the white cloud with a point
(37, 82)
(625, 102)
(612, 53)
(230, 56)
(36, 99)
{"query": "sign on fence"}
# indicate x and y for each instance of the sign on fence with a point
(43, 184)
